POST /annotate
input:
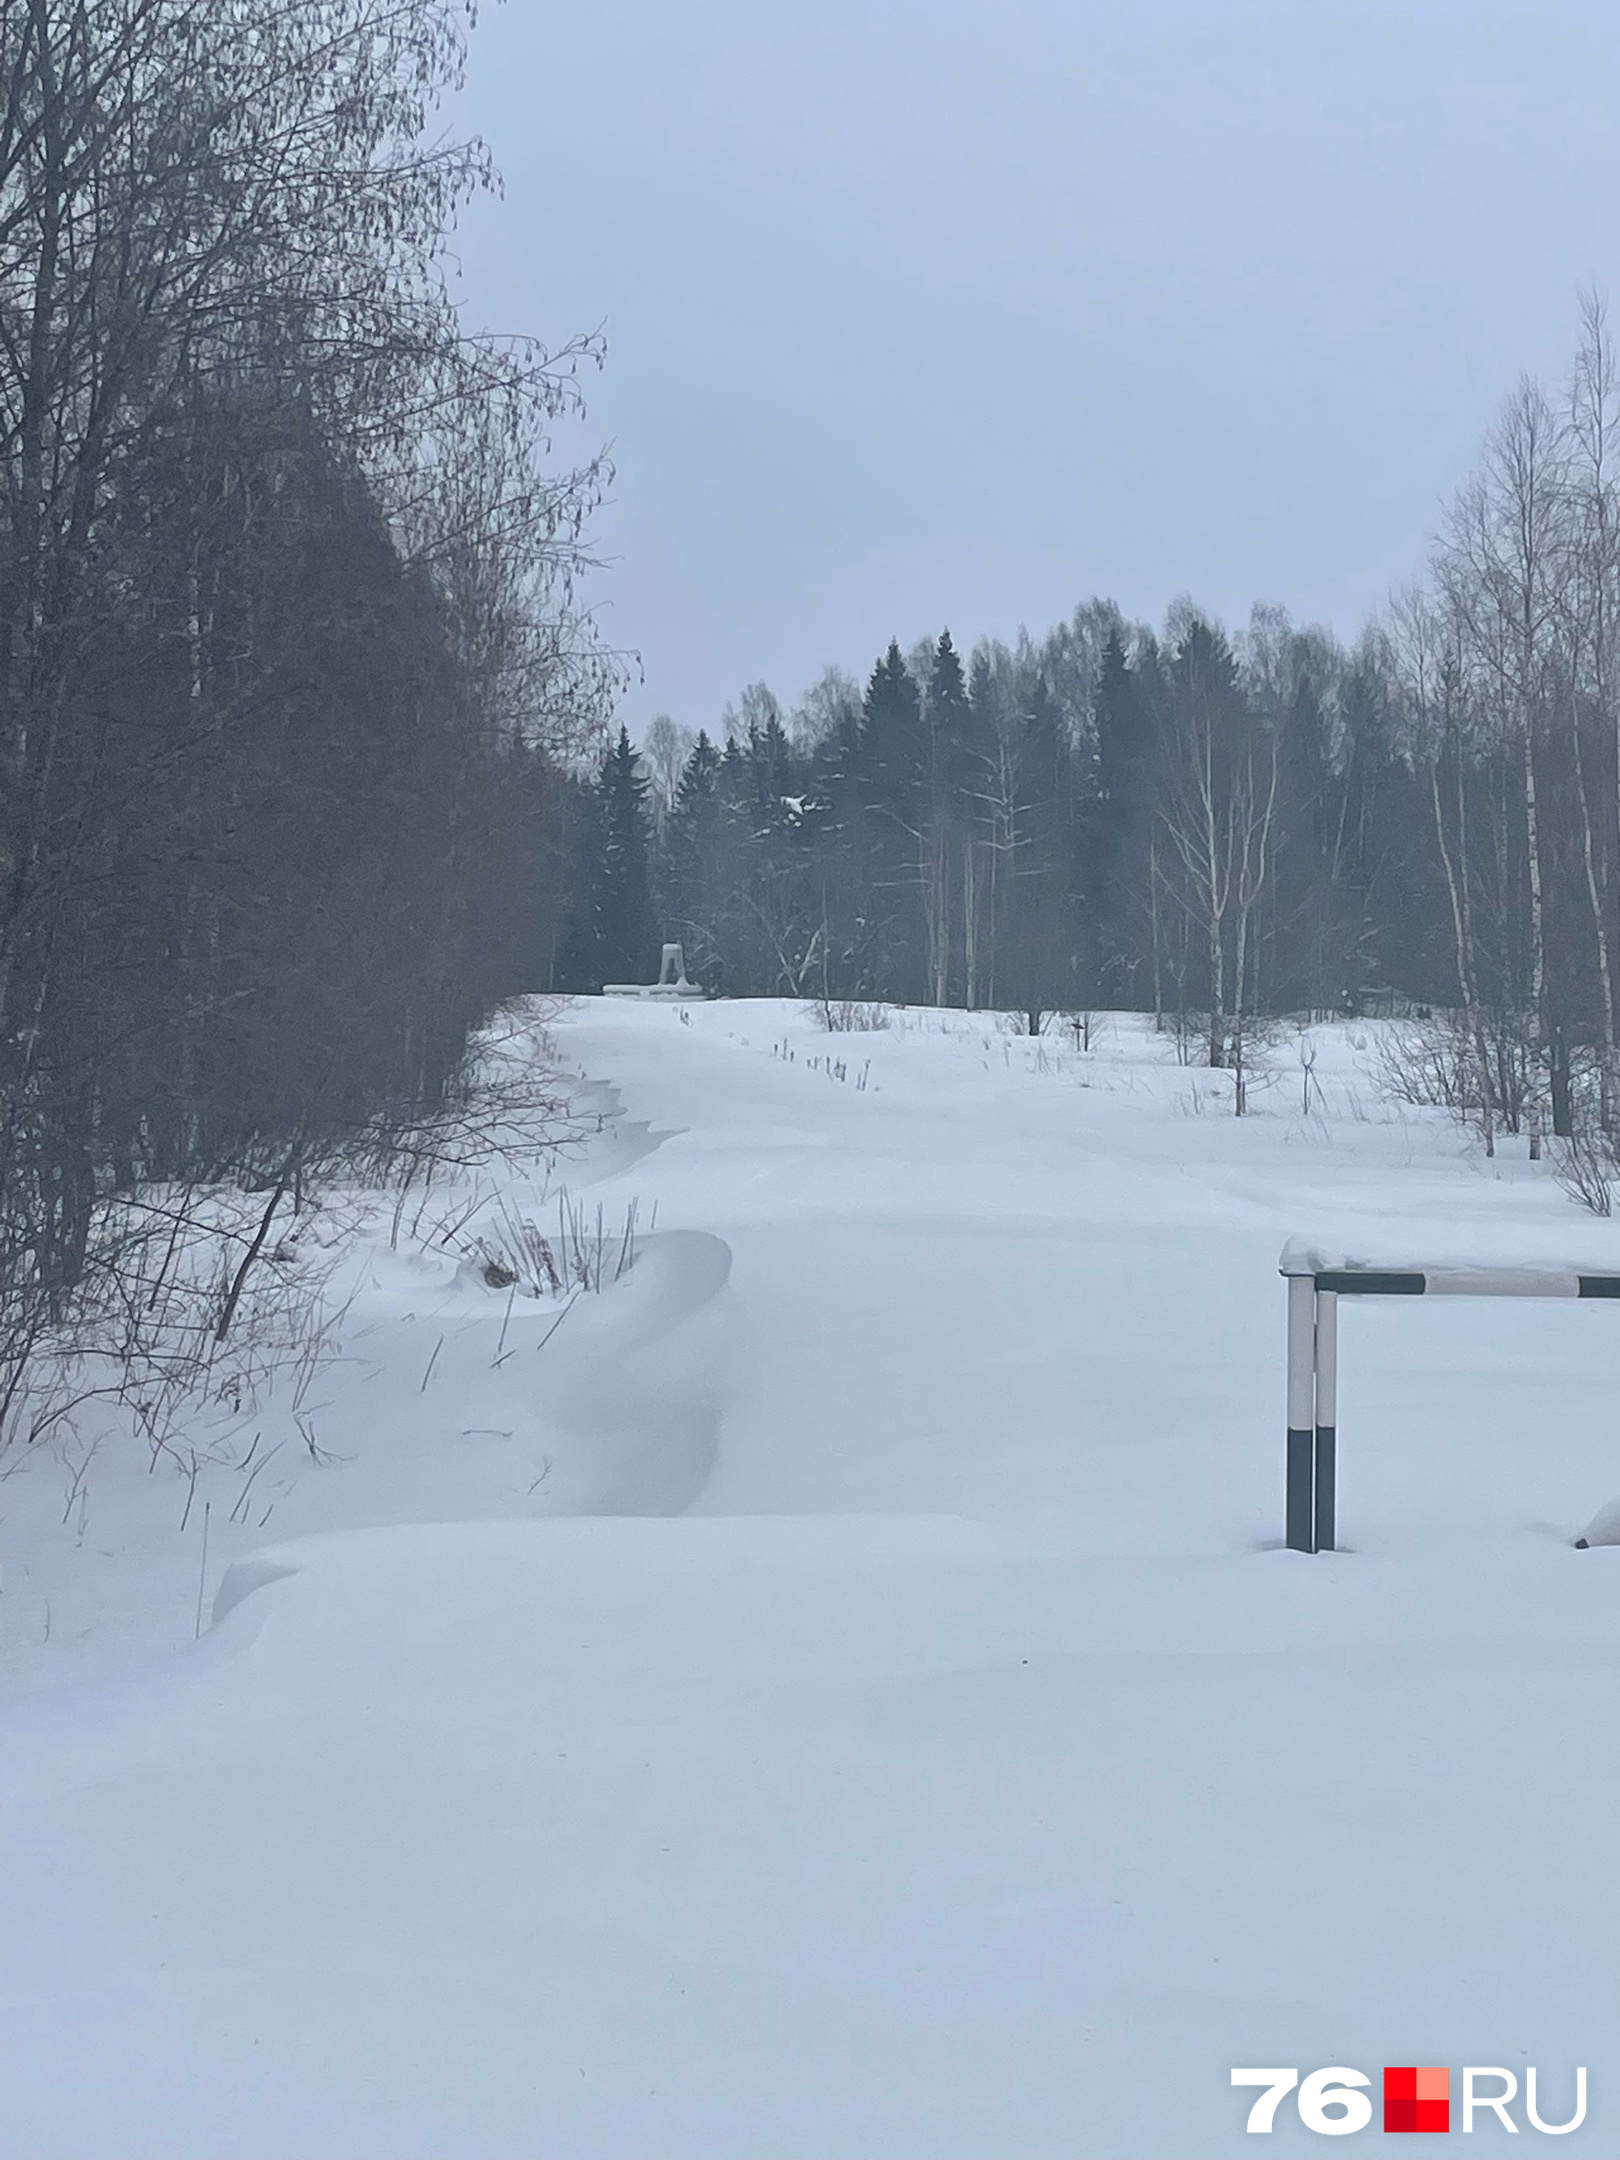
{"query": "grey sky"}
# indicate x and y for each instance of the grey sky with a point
(961, 312)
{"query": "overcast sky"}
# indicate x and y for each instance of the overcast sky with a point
(961, 311)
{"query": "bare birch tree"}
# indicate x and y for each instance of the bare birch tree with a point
(1219, 812)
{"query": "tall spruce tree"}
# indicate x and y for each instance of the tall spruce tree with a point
(1038, 933)
(615, 932)
(894, 779)
(892, 745)
(691, 859)
(1117, 812)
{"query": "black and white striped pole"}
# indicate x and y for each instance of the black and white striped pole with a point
(1315, 1285)
(1325, 1469)
(1301, 1533)
(1313, 1382)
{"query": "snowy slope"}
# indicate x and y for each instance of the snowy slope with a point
(895, 1732)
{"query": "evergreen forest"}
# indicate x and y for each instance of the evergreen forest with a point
(307, 747)
(1220, 828)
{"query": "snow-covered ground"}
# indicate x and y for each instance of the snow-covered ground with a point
(839, 1697)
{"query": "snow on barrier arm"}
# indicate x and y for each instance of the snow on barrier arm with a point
(1316, 1282)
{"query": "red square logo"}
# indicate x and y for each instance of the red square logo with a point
(1417, 2099)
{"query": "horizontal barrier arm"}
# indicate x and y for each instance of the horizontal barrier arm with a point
(1372, 1282)
(1365, 1279)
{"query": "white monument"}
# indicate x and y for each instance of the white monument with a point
(671, 983)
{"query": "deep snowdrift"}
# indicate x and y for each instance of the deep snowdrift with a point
(946, 1763)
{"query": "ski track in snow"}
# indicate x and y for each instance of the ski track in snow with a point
(890, 1730)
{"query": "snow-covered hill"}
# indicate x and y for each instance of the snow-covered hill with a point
(888, 1727)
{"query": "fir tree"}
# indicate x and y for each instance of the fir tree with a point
(689, 861)
(893, 777)
(615, 932)
(1038, 941)
(947, 719)
(1117, 813)
(891, 741)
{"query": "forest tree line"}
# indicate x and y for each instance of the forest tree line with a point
(299, 716)
(290, 668)
(1218, 828)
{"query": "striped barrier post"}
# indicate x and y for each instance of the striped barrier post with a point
(1301, 1410)
(1324, 1469)
(1315, 1286)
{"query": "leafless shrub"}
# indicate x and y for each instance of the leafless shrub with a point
(848, 1016)
(507, 1107)
(1430, 1065)
(585, 1252)
(1189, 1033)
(195, 1301)
(1494, 1072)
(76, 1468)
(1249, 1041)
(517, 1254)
(1586, 1167)
(144, 1331)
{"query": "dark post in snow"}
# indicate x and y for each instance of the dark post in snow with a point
(1315, 1286)
(1327, 1414)
(1301, 1411)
